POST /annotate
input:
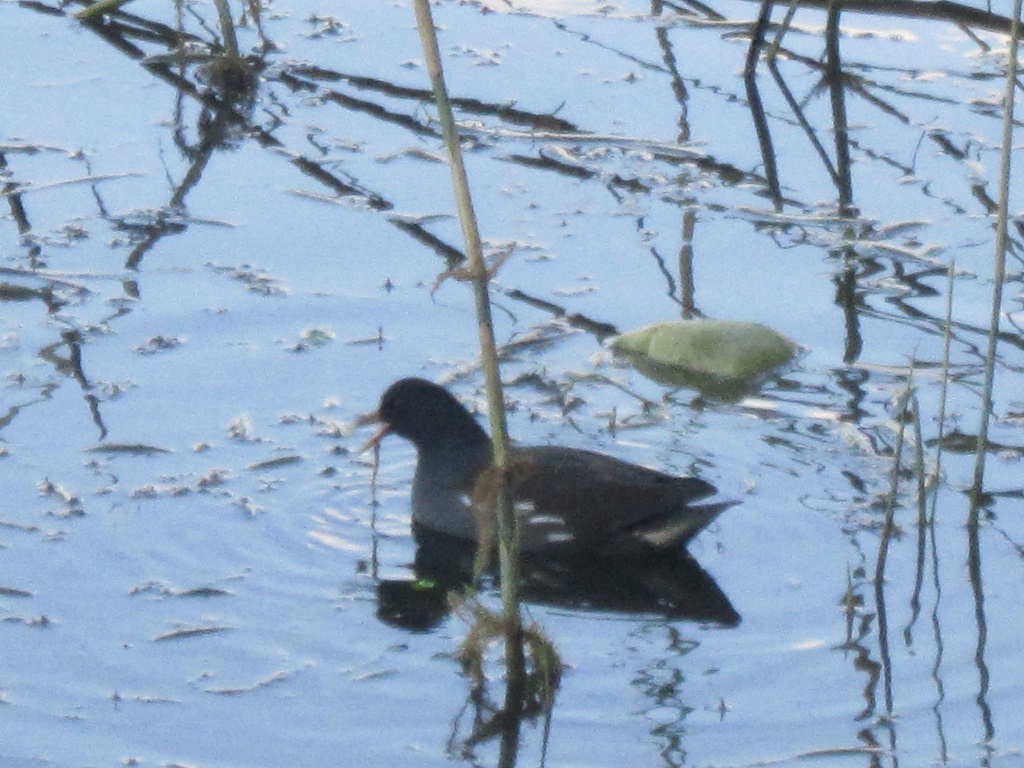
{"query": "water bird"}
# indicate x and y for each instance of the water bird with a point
(566, 500)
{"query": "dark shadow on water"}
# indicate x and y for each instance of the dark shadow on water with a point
(671, 586)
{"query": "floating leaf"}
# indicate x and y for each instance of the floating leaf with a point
(724, 349)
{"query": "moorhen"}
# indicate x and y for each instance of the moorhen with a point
(566, 500)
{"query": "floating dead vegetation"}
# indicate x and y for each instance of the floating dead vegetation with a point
(377, 340)
(158, 344)
(277, 677)
(129, 449)
(38, 622)
(252, 278)
(14, 292)
(183, 485)
(187, 633)
(25, 187)
(13, 592)
(243, 430)
(213, 478)
(70, 503)
(247, 505)
(275, 463)
(163, 589)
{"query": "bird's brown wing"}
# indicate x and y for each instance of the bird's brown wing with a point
(592, 498)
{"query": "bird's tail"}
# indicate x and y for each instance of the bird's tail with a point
(678, 528)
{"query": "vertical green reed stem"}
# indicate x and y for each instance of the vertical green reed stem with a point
(1000, 265)
(507, 544)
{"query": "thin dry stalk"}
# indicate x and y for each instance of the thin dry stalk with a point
(947, 334)
(99, 8)
(920, 472)
(890, 506)
(507, 543)
(1000, 266)
(227, 28)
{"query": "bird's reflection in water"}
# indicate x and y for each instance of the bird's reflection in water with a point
(668, 585)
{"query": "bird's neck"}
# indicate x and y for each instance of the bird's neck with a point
(455, 461)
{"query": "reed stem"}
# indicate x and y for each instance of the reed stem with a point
(999, 276)
(507, 536)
